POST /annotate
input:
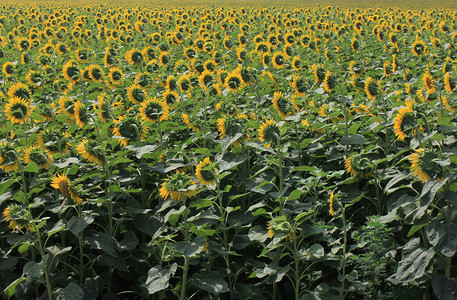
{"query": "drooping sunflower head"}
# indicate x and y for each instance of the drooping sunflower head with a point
(8, 158)
(418, 47)
(18, 217)
(71, 72)
(8, 69)
(62, 183)
(35, 79)
(95, 73)
(278, 60)
(154, 110)
(178, 187)
(405, 122)
(134, 56)
(38, 155)
(284, 106)
(129, 129)
(281, 227)
(90, 150)
(358, 165)
(206, 172)
(18, 110)
(299, 85)
(53, 140)
(82, 114)
(103, 108)
(115, 75)
(319, 73)
(329, 82)
(269, 132)
(371, 88)
(425, 166)
(428, 83)
(206, 79)
(234, 81)
(136, 93)
(170, 97)
(189, 123)
(20, 90)
(231, 125)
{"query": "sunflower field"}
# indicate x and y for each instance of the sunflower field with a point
(260, 150)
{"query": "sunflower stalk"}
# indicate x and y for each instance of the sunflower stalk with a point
(81, 248)
(186, 258)
(343, 261)
(41, 249)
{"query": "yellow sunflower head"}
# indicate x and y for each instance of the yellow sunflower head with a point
(269, 132)
(405, 122)
(425, 166)
(62, 183)
(206, 172)
(178, 187)
(8, 158)
(38, 155)
(18, 110)
(358, 165)
(154, 110)
(91, 151)
(18, 217)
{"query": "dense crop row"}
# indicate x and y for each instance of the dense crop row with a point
(246, 153)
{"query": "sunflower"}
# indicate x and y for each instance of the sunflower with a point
(206, 172)
(355, 44)
(186, 120)
(418, 47)
(129, 129)
(184, 82)
(62, 183)
(358, 165)
(20, 90)
(82, 114)
(234, 81)
(104, 107)
(299, 85)
(371, 88)
(428, 83)
(332, 204)
(283, 106)
(70, 71)
(278, 60)
(35, 79)
(91, 151)
(404, 122)
(53, 141)
(231, 125)
(280, 226)
(170, 97)
(178, 187)
(18, 110)
(152, 109)
(8, 158)
(164, 58)
(8, 69)
(269, 132)
(95, 73)
(424, 165)
(319, 73)
(38, 155)
(329, 82)
(18, 217)
(134, 56)
(67, 107)
(136, 94)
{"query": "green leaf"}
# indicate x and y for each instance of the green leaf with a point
(31, 167)
(191, 249)
(173, 215)
(212, 283)
(257, 234)
(444, 289)
(76, 225)
(295, 194)
(305, 168)
(202, 230)
(8, 263)
(356, 139)
(158, 278)
(443, 237)
(229, 160)
(103, 242)
(316, 251)
(228, 140)
(129, 242)
(413, 266)
(71, 292)
(11, 290)
(33, 270)
(416, 228)
(67, 162)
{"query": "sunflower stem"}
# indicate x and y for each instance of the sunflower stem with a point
(41, 249)
(186, 258)
(343, 262)
(81, 249)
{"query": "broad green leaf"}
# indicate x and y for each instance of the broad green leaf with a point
(76, 225)
(11, 290)
(191, 249)
(413, 266)
(71, 292)
(316, 251)
(443, 237)
(158, 278)
(257, 234)
(444, 289)
(212, 283)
